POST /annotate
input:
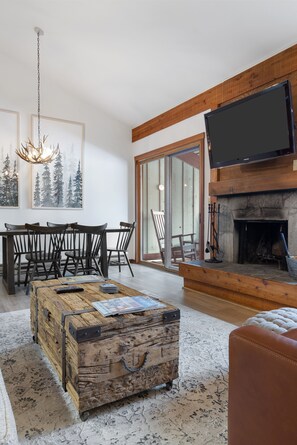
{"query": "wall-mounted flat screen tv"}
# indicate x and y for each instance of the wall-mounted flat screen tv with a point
(258, 127)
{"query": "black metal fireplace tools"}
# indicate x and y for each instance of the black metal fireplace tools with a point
(212, 244)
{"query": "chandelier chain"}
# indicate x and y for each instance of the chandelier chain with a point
(39, 153)
(38, 86)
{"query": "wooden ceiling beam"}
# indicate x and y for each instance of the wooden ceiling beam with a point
(264, 73)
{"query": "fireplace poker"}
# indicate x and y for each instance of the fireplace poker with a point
(207, 248)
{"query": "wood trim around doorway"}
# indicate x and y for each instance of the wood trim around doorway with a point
(158, 153)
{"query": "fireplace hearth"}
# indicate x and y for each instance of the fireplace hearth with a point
(259, 281)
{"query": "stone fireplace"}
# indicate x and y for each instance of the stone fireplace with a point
(249, 233)
(249, 227)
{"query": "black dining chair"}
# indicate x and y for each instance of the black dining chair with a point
(68, 240)
(85, 255)
(118, 255)
(45, 244)
(51, 224)
(20, 248)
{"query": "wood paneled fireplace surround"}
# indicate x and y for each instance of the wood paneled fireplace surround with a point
(253, 271)
(254, 197)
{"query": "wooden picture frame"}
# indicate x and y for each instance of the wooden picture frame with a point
(9, 166)
(59, 184)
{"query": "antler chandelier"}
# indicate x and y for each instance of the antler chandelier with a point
(39, 154)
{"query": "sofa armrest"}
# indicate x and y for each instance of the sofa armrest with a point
(262, 388)
(291, 334)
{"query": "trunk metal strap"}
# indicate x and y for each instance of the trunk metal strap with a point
(64, 315)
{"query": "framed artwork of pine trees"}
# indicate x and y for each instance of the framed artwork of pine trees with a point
(59, 184)
(9, 141)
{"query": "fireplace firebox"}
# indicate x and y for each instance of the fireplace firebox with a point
(259, 241)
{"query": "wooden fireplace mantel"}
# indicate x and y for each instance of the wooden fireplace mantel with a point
(271, 175)
(238, 287)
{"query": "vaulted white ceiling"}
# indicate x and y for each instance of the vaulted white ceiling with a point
(138, 58)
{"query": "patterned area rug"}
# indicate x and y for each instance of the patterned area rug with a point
(193, 412)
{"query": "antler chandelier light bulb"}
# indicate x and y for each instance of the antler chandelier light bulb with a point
(39, 154)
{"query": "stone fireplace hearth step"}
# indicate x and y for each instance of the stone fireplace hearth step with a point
(263, 271)
(258, 286)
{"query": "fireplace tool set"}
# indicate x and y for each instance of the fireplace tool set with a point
(212, 244)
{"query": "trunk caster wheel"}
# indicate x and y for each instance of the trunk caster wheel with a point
(169, 385)
(84, 416)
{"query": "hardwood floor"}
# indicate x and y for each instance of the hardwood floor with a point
(167, 286)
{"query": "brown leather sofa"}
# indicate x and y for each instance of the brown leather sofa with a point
(262, 387)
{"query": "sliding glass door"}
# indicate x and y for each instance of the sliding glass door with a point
(183, 206)
(152, 199)
(170, 192)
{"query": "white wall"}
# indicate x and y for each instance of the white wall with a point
(182, 130)
(107, 177)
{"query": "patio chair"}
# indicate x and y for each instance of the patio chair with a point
(183, 245)
(118, 255)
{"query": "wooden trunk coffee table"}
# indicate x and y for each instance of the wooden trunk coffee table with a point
(102, 359)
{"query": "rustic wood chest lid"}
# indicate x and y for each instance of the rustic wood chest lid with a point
(84, 321)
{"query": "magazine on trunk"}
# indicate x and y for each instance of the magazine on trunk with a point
(126, 305)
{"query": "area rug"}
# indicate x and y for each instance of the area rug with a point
(193, 412)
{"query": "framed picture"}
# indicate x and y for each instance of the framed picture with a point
(9, 141)
(59, 184)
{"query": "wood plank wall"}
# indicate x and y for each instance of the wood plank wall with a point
(277, 174)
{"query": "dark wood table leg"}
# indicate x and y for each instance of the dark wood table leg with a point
(104, 267)
(8, 264)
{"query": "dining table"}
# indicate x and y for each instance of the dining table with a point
(8, 269)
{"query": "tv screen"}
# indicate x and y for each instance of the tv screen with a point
(258, 127)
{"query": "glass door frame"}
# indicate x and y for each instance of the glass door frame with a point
(158, 153)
